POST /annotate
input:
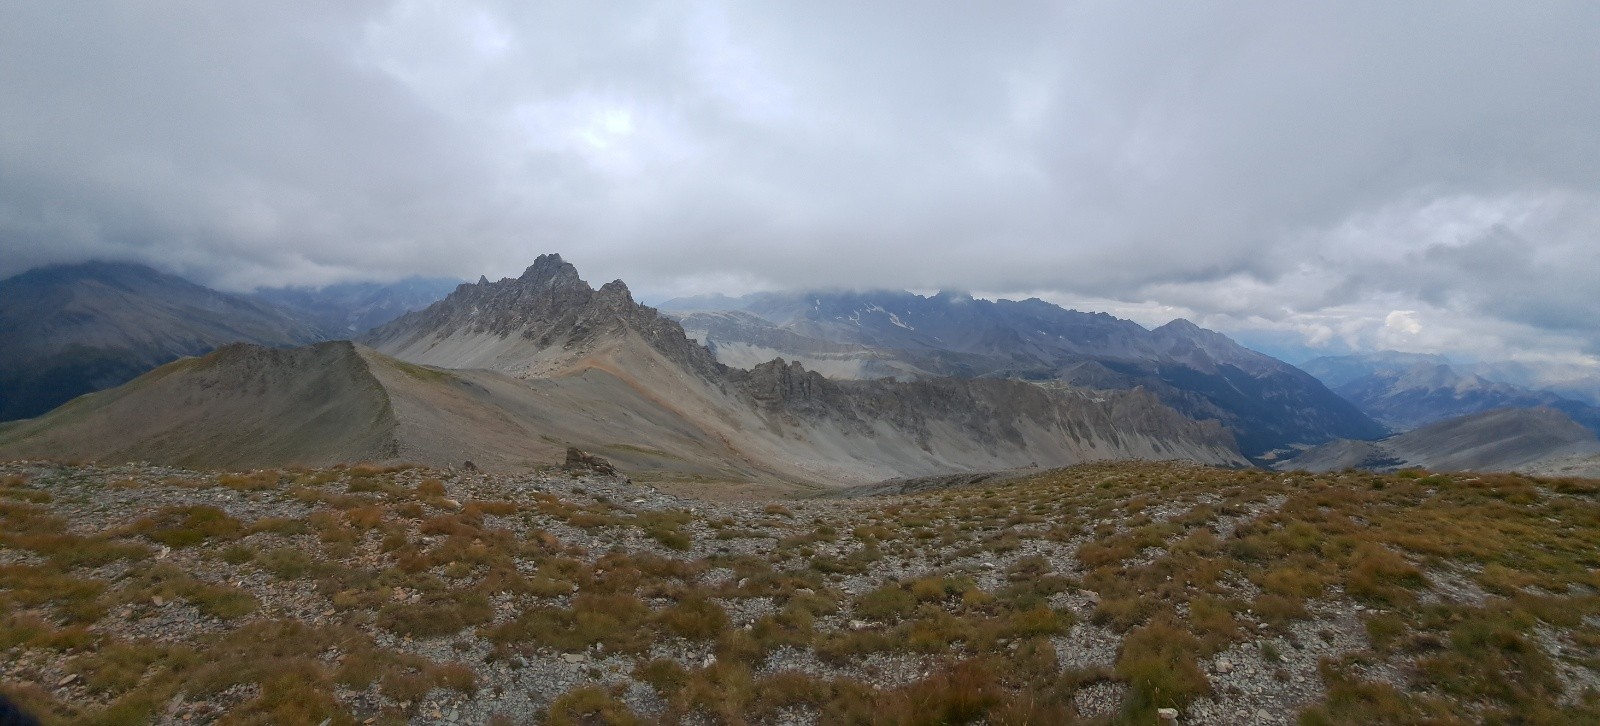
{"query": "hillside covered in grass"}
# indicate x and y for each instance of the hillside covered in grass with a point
(1094, 594)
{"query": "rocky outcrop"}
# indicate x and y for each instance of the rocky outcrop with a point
(580, 461)
(549, 307)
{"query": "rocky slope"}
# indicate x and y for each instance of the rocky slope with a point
(551, 328)
(72, 329)
(1511, 439)
(1099, 594)
(1267, 404)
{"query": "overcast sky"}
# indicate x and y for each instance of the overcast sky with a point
(1331, 176)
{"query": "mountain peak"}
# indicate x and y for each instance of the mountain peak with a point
(552, 271)
(617, 291)
(549, 308)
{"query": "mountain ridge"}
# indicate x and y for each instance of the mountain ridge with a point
(1406, 391)
(1506, 439)
(72, 329)
(1268, 404)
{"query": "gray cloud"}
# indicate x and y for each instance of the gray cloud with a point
(1274, 169)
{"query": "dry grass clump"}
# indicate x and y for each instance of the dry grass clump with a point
(589, 705)
(187, 526)
(254, 481)
(32, 528)
(171, 583)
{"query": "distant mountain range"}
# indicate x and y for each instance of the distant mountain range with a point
(71, 329)
(508, 373)
(1535, 440)
(1269, 405)
(348, 309)
(1405, 391)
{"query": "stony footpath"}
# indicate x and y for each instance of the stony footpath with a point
(1107, 593)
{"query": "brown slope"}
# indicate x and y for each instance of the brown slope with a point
(239, 406)
(247, 406)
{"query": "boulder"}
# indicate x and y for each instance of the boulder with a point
(579, 460)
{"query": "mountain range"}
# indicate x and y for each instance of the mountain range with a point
(72, 329)
(509, 373)
(1535, 440)
(348, 309)
(1270, 406)
(821, 387)
(1406, 391)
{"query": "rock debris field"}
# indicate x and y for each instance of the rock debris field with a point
(1103, 593)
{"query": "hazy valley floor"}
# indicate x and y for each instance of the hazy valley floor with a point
(1094, 594)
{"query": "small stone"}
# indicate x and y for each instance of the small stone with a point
(1262, 715)
(67, 680)
(859, 625)
(1261, 626)
(1167, 714)
(710, 660)
(572, 657)
(1224, 666)
(158, 600)
(638, 501)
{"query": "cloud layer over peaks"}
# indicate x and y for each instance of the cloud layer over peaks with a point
(1348, 176)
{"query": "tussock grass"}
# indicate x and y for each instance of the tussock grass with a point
(1463, 580)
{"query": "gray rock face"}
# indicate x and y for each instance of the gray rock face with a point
(550, 306)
